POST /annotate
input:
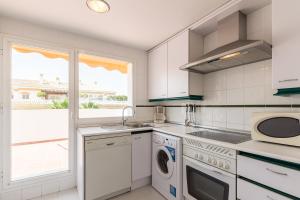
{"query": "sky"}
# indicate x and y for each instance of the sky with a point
(30, 66)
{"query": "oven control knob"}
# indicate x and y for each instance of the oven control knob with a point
(215, 162)
(209, 160)
(196, 156)
(227, 166)
(200, 157)
(221, 164)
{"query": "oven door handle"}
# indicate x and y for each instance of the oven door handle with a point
(198, 164)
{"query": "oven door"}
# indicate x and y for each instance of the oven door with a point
(203, 182)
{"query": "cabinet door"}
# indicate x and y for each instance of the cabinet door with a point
(141, 156)
(157, 73)
(178, 55)
(286, 43)
(250, 191)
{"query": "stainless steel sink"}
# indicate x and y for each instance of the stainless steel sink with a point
(126, 126)
(137, 125)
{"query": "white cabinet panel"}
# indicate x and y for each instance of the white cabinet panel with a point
(286, 43)
(178, 55)
(141, 156)
(157, 72)
(165, 79)
(278, 177)
(249, 191)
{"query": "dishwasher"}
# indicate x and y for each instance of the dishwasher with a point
(107, 166)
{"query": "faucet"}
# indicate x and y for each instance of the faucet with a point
(123, 112)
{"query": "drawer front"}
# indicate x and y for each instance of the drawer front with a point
(278, 177)
(250, 191)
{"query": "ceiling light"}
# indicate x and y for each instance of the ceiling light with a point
(99, 6)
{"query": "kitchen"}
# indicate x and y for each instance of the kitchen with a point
(198, 104)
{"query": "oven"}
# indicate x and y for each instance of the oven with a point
(205, 182)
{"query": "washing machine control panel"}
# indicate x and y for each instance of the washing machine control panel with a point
(162, 140)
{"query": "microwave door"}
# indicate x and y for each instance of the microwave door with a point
(279, 127)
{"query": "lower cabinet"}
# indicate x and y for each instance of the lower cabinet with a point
(251, 191)
(267, 178)
(141, 159)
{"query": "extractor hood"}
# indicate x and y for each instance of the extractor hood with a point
(234, 49)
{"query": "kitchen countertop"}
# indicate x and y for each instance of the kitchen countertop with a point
(276, 151)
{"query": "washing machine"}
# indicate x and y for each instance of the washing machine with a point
(167, 165)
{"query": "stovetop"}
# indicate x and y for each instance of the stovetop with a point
(223, 136)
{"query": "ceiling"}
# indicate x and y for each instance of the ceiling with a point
(137, 23)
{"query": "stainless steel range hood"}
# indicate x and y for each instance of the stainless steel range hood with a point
(234, 49)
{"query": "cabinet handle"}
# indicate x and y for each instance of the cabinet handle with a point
(288, 80)
(275, 172)
(182, 92)
(137, 138)
(110, 144)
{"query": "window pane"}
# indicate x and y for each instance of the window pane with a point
(39, 112)
(104, 86)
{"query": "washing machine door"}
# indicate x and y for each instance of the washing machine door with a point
(165, 161)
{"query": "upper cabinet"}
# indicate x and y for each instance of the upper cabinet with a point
(165, 79)
(286, 43)
(157, 73)
(184, 48)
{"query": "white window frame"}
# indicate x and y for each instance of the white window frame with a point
(132, 75)
(5, 97)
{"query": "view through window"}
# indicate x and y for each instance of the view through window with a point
(39, 112)
(104, 86)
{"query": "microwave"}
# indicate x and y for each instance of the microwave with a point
(281, 128)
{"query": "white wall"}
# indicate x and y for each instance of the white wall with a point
(245, 85)
(69, 40)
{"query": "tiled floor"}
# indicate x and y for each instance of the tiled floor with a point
(145, 193)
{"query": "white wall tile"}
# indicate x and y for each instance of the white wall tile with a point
(219, 115)
(206, 115)
(175, 114)
(235, 126)
(235, 96)
(275, 110)
(254, 95)
(235, 115)
(215, 81)
(219, 124)
(234, 77)
(248, 114)
(254, 74)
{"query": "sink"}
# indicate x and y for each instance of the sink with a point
(114, 127)
(137, 125)
(126, 126)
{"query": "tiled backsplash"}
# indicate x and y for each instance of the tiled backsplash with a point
(246, 85)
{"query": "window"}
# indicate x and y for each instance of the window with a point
(105, 86)
(39, 125)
